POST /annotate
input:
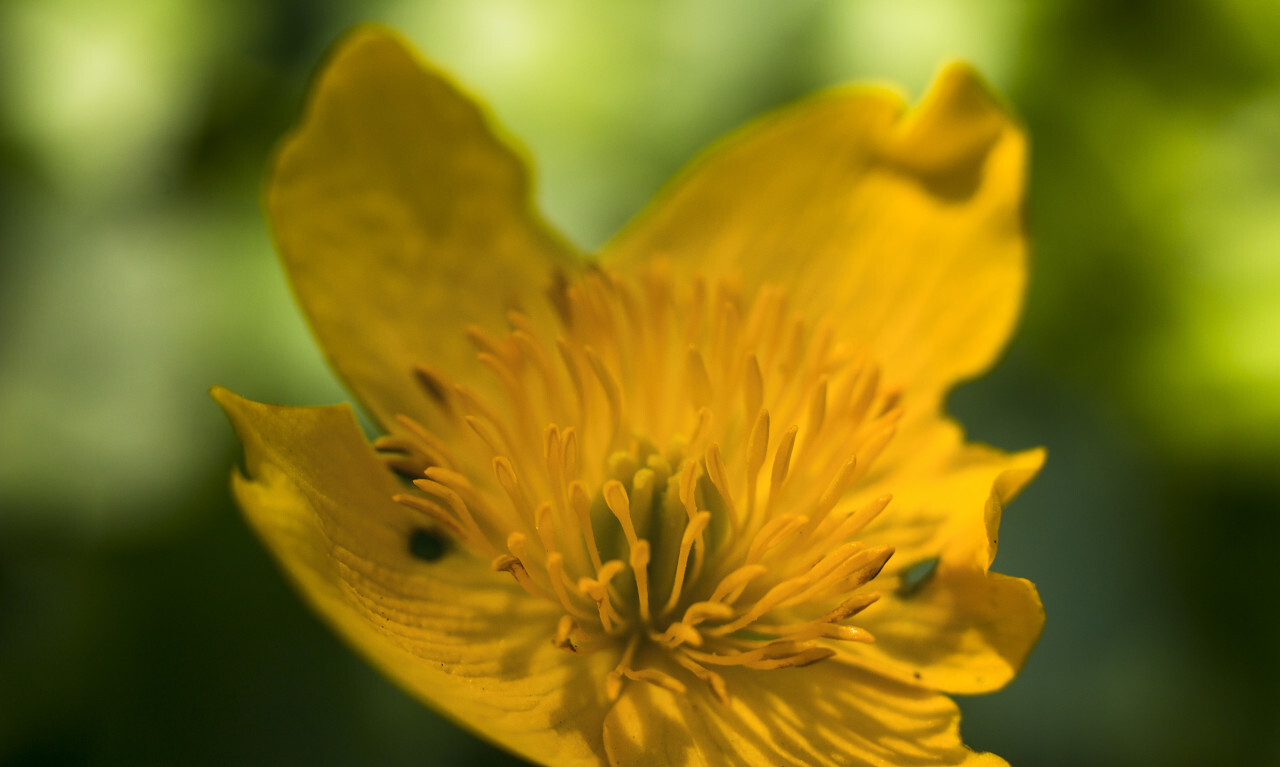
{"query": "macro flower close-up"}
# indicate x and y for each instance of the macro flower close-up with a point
(509, 382)
(693, 499)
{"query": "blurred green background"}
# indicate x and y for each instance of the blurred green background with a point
(140, 623)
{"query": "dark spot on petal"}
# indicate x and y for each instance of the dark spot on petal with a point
(915, 674)
(558, 293)
(917, 576)
(428, 545)
(432, 385)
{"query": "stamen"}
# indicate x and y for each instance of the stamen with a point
(817, 409)
(666, 416)
(719, 477)
(773, 534)
(515, 391)
(402, 455)
(700, 612)
(781, 464)
(713, 680)
(825, 626)
(598, 589)
(640, 566)
(702, 430)
(440, 516)
(865, 393)
(575, 378)
(692, 533)
(615, 496)
(565, 630)
(655, 677)
(612, 393)
(753, 386)
(678, 633)
(699, 381)
(851, 525)
(734, 582)
(832, 494)
(773, 598)
(554, 463)
(433, 446)
(581, 502)
(613, 682)
(555, 570)
(510, 485)
(472, 500)
(783, 654)
(487, 434)
(460, 512)
(484, 342)
(570, 452)
(849, 574)
(757, 448)
(512, 564)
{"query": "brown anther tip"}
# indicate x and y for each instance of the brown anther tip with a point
(871, 574)
(851, 607)
(779, 649)
(557, 293)
(719, 689)
(432, 383)
(813, 655)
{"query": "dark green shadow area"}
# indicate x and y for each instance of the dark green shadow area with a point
(190, 648)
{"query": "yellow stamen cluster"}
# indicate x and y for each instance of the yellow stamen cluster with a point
(672, 469)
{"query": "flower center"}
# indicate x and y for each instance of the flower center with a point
(675, 469)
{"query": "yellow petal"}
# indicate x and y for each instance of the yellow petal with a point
(451, 632)
(963, 631)
(947, 494)
(400, 218)
(829, 713)
(906, 227)
(955, 627)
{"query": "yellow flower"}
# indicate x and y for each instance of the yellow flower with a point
(693, 501)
